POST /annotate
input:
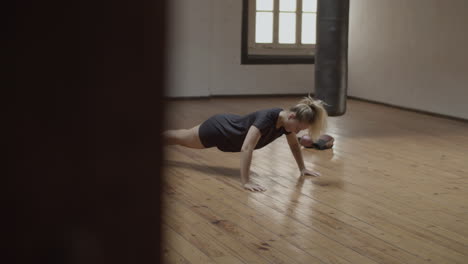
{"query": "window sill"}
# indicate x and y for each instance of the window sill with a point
(277, 59)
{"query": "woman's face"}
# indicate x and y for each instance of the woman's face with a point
(293, 125)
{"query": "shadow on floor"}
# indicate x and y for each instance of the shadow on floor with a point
(206, 169)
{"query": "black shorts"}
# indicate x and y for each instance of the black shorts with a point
(208, 132)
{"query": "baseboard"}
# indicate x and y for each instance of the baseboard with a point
(410, 109)
(302, 94)
(235, 96)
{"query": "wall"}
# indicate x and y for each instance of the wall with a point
(190, 48)
(205, 45)
(406, 53)
(410, 53)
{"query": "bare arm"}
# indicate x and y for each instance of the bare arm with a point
(250, 141)
(296, 151)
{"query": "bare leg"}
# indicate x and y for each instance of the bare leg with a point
(183, 137)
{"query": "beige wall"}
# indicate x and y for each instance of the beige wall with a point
(410, 53)
(189, 48)
(205, 51)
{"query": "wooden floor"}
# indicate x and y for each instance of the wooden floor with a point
(394, 189)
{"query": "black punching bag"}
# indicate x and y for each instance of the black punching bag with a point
(331, 57)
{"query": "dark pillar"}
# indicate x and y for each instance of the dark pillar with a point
(331, 58)
(84, 117)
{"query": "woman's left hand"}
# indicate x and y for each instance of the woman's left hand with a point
(305, 172)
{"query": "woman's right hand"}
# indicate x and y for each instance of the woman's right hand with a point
(254, 187)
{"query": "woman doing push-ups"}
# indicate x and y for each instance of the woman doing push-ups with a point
(233, 133)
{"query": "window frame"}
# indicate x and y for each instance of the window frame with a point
(272, 53)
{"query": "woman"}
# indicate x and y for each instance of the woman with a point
(233, 133)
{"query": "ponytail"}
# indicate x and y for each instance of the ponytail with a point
(312, 112)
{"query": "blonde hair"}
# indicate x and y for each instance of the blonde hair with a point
(312, 112)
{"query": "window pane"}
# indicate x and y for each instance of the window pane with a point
(287, 5)
(309, 5)
(266, 5)
(264, 27)
(287, 28)
(308, 28)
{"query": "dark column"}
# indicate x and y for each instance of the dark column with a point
(84, 117)
(331, 58)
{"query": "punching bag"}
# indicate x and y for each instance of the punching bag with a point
(331, 57)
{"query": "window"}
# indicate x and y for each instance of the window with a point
(278, 31)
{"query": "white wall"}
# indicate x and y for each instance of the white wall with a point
(205, 52)
(407, 53)
(410, 53)
(189, 48)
